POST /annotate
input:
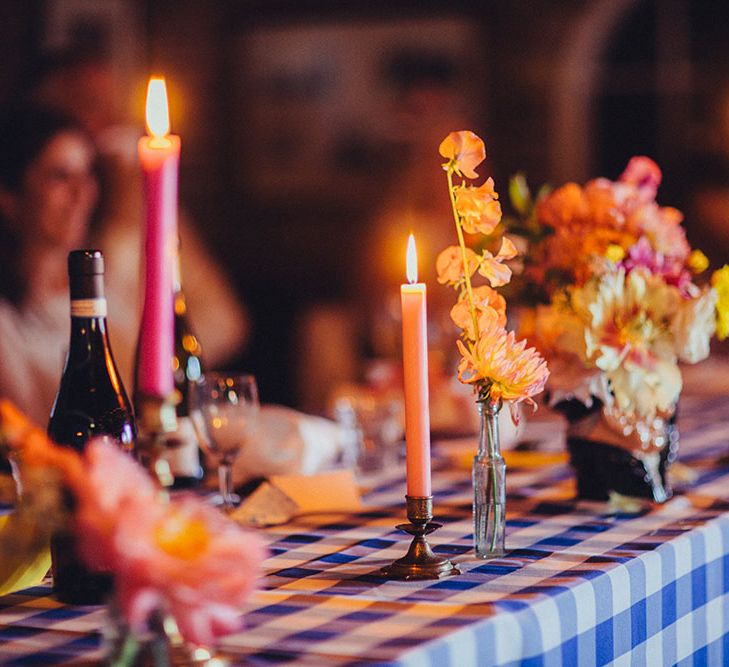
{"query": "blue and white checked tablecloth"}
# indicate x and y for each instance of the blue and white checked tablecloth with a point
(577, 587)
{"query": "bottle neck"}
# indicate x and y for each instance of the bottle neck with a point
(88, 322)
(93, 307)
(488, 442)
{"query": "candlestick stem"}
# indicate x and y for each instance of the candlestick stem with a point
(156, 421)
(419, 562)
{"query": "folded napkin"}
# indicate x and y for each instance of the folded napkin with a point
(283, 497)
(22, 568)
(285, 441)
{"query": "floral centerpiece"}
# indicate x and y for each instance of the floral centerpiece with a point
(498, 367)
(621, 302)
(182, 571)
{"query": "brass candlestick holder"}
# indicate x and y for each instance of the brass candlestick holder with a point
(156, 421)
(419, 562)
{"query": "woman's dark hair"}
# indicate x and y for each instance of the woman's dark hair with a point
(25, 130)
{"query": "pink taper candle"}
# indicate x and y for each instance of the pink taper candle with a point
(415, 367)
(159, 154)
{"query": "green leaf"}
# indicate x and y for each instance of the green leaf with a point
(519, 194)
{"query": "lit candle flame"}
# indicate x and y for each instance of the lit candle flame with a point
(158, 112)
(411, 261)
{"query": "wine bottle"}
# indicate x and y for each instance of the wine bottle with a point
(91, 401)
(183, 455)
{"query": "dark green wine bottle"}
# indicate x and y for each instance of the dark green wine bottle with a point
(91, 401)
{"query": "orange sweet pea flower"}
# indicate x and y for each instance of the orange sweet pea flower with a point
(478, 207)
(449, 265)
(486, 301)
(495, 365)
(464, 151)
(492, 268)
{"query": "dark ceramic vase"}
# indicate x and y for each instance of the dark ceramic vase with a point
(601, 467)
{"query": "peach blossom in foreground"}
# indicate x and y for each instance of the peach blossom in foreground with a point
(464, 151)
(180, 556)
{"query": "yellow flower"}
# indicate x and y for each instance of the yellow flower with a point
(464, 151)
(614, 253)
(501, 367)
(478, 207)
(720, 281)
(698, 262)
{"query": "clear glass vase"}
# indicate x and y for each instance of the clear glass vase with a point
(160, 646)
(489, 486)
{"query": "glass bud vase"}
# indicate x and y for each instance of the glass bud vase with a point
(489, 486)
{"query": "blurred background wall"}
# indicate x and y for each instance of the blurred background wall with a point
(298, 115)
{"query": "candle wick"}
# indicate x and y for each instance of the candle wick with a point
(159, 142)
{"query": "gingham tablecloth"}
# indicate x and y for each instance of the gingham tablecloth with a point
(577, 586)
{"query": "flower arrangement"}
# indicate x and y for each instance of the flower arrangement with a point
(492, 361)
(176, 558)
(622, 302)
(498, 367)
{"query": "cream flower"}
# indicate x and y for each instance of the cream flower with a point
(694, 325)
(627, 331)
(643, 391)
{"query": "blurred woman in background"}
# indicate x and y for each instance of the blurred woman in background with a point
(48, 190)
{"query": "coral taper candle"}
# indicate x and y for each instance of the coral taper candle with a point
(159, 154)
(415, 371)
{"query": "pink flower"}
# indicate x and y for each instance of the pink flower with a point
(464, 150)
(181, 556)
(673, 271)
(115, 485)
(645, 175)
(662, 226)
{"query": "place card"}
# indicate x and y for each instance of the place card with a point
(283, 497)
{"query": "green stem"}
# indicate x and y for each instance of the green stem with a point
(493, 409)
(462, 243)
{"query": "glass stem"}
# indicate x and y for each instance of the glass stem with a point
(225, 479)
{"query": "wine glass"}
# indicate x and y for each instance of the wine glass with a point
(225, 407)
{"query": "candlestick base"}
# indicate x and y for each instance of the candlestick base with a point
(419, 562)
(156, 420)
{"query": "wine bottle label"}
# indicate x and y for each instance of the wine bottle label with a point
(88, 307)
